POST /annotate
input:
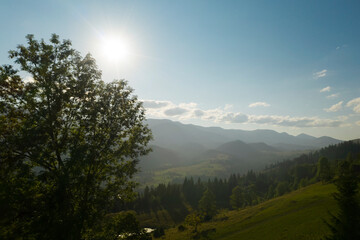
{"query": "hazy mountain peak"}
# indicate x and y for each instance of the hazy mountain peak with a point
(305, 136)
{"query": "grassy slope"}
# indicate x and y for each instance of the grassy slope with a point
(297, 215)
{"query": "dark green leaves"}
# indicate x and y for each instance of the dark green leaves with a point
(77, 137)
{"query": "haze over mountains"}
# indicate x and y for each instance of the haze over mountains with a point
(172, 134)
(176, 144)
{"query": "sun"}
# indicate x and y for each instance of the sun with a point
(116, 49)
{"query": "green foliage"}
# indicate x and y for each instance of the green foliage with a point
(236, 198)
(294, 216)
(324, 171)
(194, 220)
(115, 225)
(207, 204)
(69, 142)
(345, 225)
(256, 187)
(303, 182)
(282, 188)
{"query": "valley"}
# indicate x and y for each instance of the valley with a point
(186, 150)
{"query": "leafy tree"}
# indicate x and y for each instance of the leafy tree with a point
(69, 142)
(324, 172)
(282, 188)
(207, 204)
(303, 182)
(122, 224)
(194, 220)
(236, 198)
(346, 224)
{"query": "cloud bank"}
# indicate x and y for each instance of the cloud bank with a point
(186, 111)
(155, 104)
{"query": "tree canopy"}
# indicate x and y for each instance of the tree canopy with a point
(69, 142)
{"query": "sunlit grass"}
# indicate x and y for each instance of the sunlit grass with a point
(296, 216)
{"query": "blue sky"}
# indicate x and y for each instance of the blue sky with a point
(290, 66)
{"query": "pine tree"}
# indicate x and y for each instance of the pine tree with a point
(346, 224)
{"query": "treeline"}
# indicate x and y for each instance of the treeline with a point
(332, 152)
(251, 188)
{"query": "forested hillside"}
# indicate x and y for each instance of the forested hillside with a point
(242, 190)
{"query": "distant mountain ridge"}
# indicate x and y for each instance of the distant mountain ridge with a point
(172, 134)
(238, 149)
(176, 144)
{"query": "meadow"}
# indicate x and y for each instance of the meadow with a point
(298, 215)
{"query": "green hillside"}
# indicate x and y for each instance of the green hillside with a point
(297, 215)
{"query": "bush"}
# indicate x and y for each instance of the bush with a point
(181, 228)
(159, 232)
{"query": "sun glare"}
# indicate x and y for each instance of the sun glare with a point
(116, 49)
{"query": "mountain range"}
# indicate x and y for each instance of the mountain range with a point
(185, 147)
(172, 134)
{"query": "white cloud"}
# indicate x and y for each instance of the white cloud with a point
(188, 105)
(355, 103)
(335, 95)
(299, 122)
(186, 111)
(357, 109)
(155, 104)
(234, 118)
(320, 74)
(259, 104)
(358, 123)
(175, 111)
(213, 114)
(326, 89)
(29, 79)
(334, 108)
